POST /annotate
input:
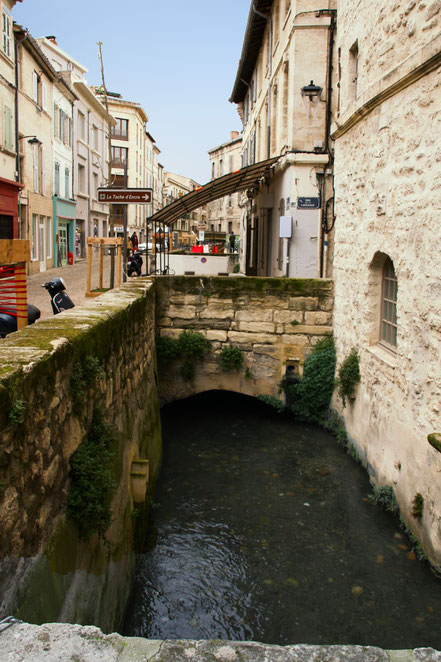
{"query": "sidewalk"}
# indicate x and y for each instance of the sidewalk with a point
(75, 278)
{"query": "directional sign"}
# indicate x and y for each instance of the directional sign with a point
(126, 196)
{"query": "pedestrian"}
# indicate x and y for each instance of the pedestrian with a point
(134, 240)
(232, 239)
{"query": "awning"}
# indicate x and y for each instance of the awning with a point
(238, 180)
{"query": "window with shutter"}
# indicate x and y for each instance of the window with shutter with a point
(6, 33)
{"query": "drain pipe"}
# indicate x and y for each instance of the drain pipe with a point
(270, 59)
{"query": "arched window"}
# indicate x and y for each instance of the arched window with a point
(388, 328)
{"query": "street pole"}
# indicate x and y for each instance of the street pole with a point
(109, 174)
(125, 228)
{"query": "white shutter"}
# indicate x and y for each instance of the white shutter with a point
(43, 173)
(35, 86)
(44, 96)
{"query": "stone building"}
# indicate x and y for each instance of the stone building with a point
(283, 90)
(224, 215)
(9, 160)
(90, 147)
(128, 159)
(36, 82)
(185, 230)
(387, 266)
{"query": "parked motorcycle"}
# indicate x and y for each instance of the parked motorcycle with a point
(8, 320)
(60, 300)
(134, 264)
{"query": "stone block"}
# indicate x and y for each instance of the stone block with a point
(253, 315)
(310, 330)
(187, 299)
(182, 312)
(287, 316)
(252, 338)
(326, 304)
(269, 350)
(217, 312)
(318, 318)
(303, 303)
(165, 321)
(296, 340)
(255, 327)
(216, 335)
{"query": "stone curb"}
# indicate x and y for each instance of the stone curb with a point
(57, 642)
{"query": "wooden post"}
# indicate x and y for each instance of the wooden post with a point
(101, 266)
(118, 263)
(21, 297)
(89, 269)
(101, 243)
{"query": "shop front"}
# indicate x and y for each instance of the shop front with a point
(64, 231)
(9, 208)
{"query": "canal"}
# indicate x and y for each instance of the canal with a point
(262, 529)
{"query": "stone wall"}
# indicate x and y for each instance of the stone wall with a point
(273, 321)
(388, 202)
(47, 572)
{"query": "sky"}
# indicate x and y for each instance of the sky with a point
(177, 59)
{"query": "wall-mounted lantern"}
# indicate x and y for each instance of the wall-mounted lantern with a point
(311, 95)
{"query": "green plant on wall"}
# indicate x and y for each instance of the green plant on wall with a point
(384, 496)
(310, 397)
(417, 505)
(192, 346)
(17, 412)
(83, 376)
(230, 358)
(167, 349)
(348, 376)
(92, 481)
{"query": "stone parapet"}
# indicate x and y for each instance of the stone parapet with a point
(47, 571)
(57, 641)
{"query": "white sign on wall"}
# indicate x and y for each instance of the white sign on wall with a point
(285, 228)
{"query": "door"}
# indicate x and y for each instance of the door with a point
(62, 244)
(42, 244)
(252, 245)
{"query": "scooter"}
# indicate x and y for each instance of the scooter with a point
(134, 264)
(8, 319)
(60, 300)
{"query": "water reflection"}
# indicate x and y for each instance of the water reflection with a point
(262, 530)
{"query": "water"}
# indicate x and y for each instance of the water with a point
(261, 530)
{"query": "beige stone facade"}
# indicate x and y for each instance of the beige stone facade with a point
(387, 133)
(128, 146)
(225, 215)
(184, 232)
(90, 147)
(36, 82)
(287, 54)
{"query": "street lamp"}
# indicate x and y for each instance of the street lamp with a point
(33, 140)
(311, 95)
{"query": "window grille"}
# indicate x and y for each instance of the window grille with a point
(388, 331)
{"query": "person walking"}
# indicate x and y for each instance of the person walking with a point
(134, 240)
(232, 239)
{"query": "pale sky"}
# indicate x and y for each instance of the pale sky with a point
(177, 59)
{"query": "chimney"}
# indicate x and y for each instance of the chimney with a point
(52, 39)
(234, 134)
